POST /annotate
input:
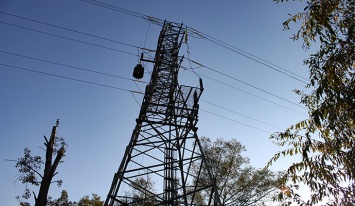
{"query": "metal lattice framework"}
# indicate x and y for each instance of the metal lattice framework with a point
(164, 147)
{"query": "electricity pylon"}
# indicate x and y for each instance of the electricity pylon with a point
(164, 147)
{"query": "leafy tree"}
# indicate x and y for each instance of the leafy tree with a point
(29, 167)
(63, 200)
(326, 138)
(94, 201)
(138, 192)
(237, 182)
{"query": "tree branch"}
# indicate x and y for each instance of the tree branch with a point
(34, 195)
(46, 143)
(59, 156)
(27, 167)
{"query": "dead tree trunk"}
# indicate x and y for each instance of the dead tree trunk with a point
(50, 167)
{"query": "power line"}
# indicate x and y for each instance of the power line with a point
(101, 73)
(137, 55)
(250, 85)
(67, 38)
(216, 41)
(118, 88)
(233, 87)
(115, 50)
(241, 114)
(51, 62)
(251, 94)
(116, 8)
(140, 16)
(207, 37)
(69, 66)
(116, 76)
(241, 123)
(71, 30)
(147, 18)
(97, 84)
(258, 61)
(69, 78)
(251, 56)
(135, 99)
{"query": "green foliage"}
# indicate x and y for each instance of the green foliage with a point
(237, 182)
(63, 200)
(64, 197)
(28, 166)
(326, 139)
(94, 201)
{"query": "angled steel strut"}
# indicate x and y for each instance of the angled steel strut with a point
(164, 151)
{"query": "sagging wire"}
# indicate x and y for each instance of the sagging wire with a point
(186, 38)
(145, 41)
(134, 97)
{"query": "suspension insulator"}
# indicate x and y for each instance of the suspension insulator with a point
(138, 71)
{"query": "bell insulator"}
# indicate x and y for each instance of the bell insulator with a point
(138, 71)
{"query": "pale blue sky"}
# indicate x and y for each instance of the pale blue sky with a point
(97, 121)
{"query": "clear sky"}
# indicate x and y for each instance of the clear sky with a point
(97, 121)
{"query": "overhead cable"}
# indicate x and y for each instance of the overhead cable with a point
(118, 88)
(96, 45)
(194, 31)
(141, 16)
(241, 114)
(248, 84)
(117, 76)
(68, 78)
(251, 94)
(71, 30)
(241, 123)
(250, 56)
(69, 66)
(197, 33)
(119, 9)
(67, 38)
(111, 75)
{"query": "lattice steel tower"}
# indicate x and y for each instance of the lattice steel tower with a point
(164, 147)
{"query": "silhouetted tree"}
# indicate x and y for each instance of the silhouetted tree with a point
(326, 139)
(29, 167)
